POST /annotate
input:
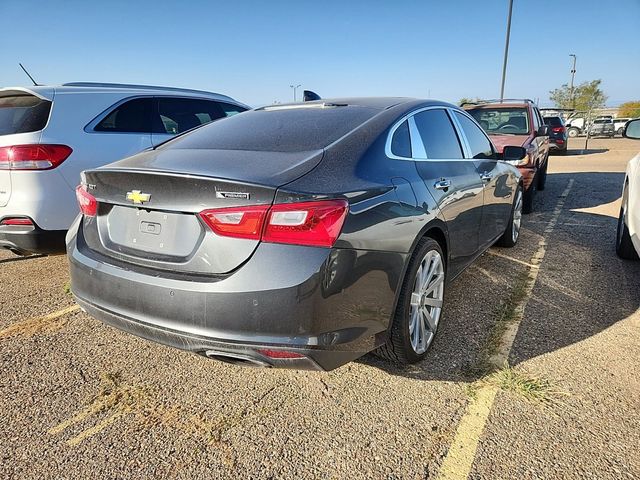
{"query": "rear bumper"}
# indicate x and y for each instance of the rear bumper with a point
(285, 297)
(557, 144)
(25, 240)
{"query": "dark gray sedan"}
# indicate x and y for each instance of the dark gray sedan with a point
(299, 236)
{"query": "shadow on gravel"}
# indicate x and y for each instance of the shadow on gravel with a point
(18, 258)
(582, 289)
(580, 151)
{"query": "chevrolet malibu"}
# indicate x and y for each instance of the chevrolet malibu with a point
(299, 236)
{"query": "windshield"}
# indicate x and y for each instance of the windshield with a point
(502, 121)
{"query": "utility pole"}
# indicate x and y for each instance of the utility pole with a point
(506, 51)
(295, 87)
(573, 74)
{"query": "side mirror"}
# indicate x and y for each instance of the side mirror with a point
(568, 125)
(514, 154)
(632, 129)
(543, 131)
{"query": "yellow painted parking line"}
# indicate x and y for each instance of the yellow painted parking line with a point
(35, 324)
(95, 429)
(511, 259)
(459, 460)
(79, 417)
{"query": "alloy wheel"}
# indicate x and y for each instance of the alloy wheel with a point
(426, 301)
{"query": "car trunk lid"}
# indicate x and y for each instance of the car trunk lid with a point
(148, 205)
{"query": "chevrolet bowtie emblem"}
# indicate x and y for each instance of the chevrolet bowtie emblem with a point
(137, 197)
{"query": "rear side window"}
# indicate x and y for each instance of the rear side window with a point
(133, 116)
(401, 141)
(478, 142)
(21, 112)
(178, 115)
(438, 136)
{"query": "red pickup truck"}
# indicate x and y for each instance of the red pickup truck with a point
(517, 122)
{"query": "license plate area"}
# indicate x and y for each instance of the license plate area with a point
(150, 233)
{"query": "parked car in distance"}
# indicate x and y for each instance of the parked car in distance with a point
(628, 235)
(619, 124)
(49, 134)
(557, 135)
(602, 127)
(299, 236)
(518, 122)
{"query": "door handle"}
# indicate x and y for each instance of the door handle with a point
(442, 184)
(486, 176)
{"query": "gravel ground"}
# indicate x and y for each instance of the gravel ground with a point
(82, 400)
(580, 331)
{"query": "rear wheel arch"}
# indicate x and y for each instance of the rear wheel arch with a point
(436, 230)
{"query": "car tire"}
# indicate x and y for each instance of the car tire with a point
(624, 246)
(573, 132)
(542, 176)
(620, 131)
(512, 233)
(528, 196)
(418, 294)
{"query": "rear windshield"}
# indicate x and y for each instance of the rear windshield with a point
(22, 113)
(502, 121)
(604, 120)
(277, 130)
(553, 121)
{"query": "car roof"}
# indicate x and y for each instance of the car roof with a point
(380, 103)
(47, 91)
(496, 105)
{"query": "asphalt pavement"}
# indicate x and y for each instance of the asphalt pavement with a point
(83, 400)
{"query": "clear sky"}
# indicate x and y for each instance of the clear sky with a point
(253, 50)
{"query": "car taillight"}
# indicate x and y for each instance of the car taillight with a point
(305, 223)
(557, 129)
(239, 222)
(33, 157)
(87, 202)
(20, 221)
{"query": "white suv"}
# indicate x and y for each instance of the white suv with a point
(48, 135)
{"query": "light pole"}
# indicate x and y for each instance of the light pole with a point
(573, 74)
(295, 87)
(506, 51)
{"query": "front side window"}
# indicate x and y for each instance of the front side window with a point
(502, 121)
(178, 115)
(401, 141)
(478, 142)
(438, 135)
(133, 116)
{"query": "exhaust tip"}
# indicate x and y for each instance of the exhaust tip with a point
(236, 359)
